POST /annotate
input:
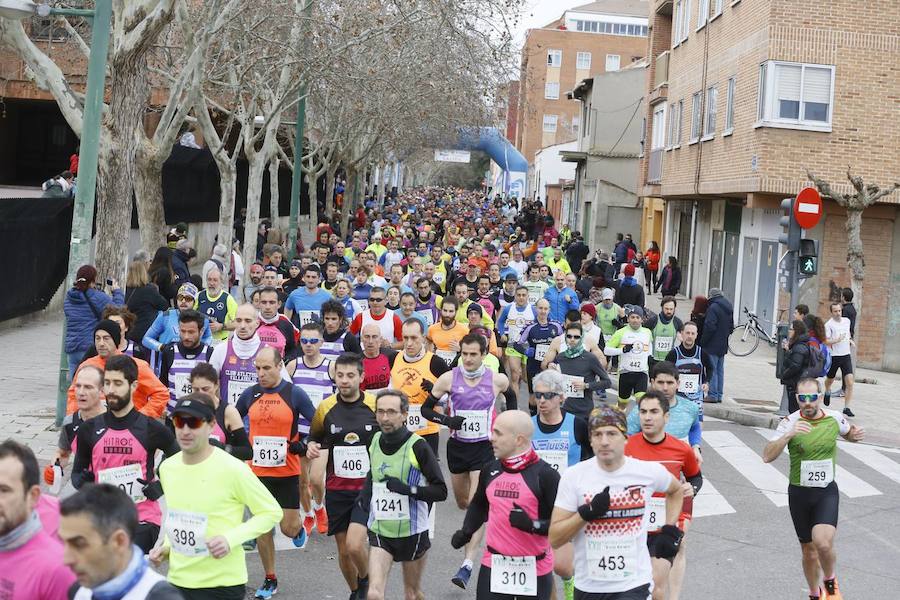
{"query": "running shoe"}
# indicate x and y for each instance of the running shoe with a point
(300, 540)
(321, 520)
(461, 579)
(848, 412)
(832, 591)
(309, 521)
(827, 399)
(268, 589)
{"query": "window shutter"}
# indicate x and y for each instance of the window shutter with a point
(787, 82)
(817, 85)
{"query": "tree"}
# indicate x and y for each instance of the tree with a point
(863, 197)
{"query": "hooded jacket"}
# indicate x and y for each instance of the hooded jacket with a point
(718, 324)
(81, 318)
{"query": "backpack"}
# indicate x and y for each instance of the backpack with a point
(817, 364)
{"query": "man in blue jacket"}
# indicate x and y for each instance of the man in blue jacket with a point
(716, 328)
(562, 299)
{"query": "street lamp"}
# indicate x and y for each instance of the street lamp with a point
(89, 149)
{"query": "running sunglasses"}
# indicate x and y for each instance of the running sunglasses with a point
(807, 398)
(304, 340)
(192, 422)
(573, 337)
(544, 395)
(376, 299)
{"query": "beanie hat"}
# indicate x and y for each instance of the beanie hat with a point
(112, 328)
(188, 289)
(589, 308)
(628, 270)
(608, 416)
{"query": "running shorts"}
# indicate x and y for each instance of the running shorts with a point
(812, 506)
(510, 351)
(463, 457)
(286, 490)
(631, 382)
(844, 363)
(146, 535)
(433, 440)
(642, 592)
(402, 549)
(483, 591)
(342, 509)
(229, 592)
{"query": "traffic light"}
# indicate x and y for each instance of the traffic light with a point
(791, 235)
(808, 258)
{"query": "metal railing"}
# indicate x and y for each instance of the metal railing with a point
(654, 172)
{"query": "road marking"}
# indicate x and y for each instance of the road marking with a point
(871, 457)
(707, 419)
(849, 484)
(748, 463)
(710, 501)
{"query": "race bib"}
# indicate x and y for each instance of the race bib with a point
(351, 462)
(448, 355)
(126, 479)
(269, 451)
(570, 391)
(689, 384)
(540, 351)
(662, 344)
(315, 395)
(475, 426)
(655, 513)
(611, 559)
(182, 383)
(187, 532)
(816, 473)
(364, 305)
(533, 297)
(438, 277)
(388, 505)
(513, 575)
(428, 316)
(306, 316)
(236, 388)
(414, 419)
(558, 459)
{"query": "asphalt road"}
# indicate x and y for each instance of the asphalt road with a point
(743, 547)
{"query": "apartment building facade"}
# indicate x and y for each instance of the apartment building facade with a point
(595, 38)
(743, 96)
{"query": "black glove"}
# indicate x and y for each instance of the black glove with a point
(398, 487)
(668, 542)
(214, 441)
(152, 490)
(597, 507)
(455, 422)
(427, 385)
(460, 539)
(88, 476)
(519, 519)
(298, 447)
(627, 348)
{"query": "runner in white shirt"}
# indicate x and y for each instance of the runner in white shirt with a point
(600, 506)
(839, 340)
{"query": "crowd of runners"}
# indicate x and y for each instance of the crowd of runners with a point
(312, 396)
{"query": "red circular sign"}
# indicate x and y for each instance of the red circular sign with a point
(808, 208)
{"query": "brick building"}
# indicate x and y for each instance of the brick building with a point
(588, 40)
(742, 97)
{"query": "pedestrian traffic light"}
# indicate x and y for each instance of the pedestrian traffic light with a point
(808, 258)
(792, 230)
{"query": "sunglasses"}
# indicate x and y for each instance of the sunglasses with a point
(573, 337)
(304, 340)
(807, 398)
(376, 299)
(192, 422)
(544, 395)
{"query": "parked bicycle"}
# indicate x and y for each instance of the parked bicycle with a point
(744, 338)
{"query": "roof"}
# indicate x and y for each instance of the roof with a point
(629, 8)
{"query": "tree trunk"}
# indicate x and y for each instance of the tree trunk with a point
(149, 197)
(330, 174)
(856, 258)
(312, 190)
(273, 190)
(257, 168)
(227, 193)
(350, 192)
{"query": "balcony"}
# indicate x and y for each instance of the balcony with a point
(654, 169)
(661, 70)
(663, 7)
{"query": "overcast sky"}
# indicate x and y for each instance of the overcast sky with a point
(538, 13)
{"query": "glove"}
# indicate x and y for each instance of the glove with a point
(597, 507)
(214, 441)
(48, 474)
(152, 490)
(427, 385)
(530, 352)
(398, 487)
(87, 477)
(455, 422)
(298, 447)
(668, 542)
(627, 348)
(519, 519)
(460, 539)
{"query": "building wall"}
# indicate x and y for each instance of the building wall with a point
(530, 136)
(549, 169)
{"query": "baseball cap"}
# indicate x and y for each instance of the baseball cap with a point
(633, 310)
(194, 408)
(607, 294)
(511, 277)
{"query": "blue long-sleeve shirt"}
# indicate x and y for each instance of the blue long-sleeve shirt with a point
(561, 302)
(684, 422)
(164, 330)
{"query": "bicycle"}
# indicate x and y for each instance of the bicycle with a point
(744, 338)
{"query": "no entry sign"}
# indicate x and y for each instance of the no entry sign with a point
(808, 208)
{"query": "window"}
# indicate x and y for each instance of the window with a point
(718, 8)
(702, 13)
(796, 95)
(680, 118)
(583, 60)
(686, 21)
(579, 26)
(550, 123)
(554, 58)
(712, 96)
(657, 139)
(585, 118)
(676, 22)
(576, 123)
(643, 135)
(551, 90)
(729, 107)
(695, 117)
(670, 127)
(612, 62)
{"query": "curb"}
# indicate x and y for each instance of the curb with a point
(730, 412)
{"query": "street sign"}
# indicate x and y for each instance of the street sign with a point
(808, 208)
(807, 265)
(457, 156)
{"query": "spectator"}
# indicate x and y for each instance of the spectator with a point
(143, 299)
(651, 266)
(82, 307)
(236, 271)
(797, 358)
(61, 186)
(620, 252)
(162, 274)
(629, 291)
(698, 314)
(717, 327)
(576, 252)
(181, 258)
(670, 278)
